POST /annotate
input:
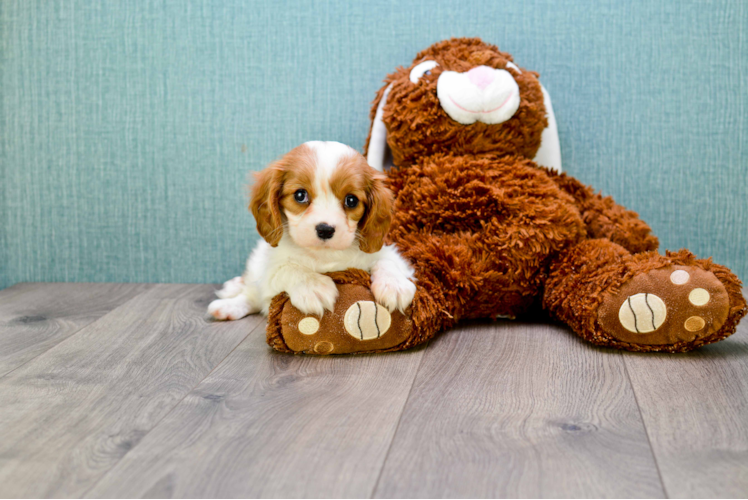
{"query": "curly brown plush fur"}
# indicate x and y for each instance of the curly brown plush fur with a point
(489, 232)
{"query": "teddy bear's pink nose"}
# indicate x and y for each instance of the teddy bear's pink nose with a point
(481, 76)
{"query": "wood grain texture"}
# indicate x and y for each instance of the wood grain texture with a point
(37, 316)
(266, 424)
(695, 409)
(69, 415)
(153, 400)
(515, 410)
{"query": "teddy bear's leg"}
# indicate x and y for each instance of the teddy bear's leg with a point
(445, 271)
(357, 325)
(644, 301)
(604, 218)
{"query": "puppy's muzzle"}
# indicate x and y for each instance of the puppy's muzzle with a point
(325, 231)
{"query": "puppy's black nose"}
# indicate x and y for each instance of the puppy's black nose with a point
(325, 231)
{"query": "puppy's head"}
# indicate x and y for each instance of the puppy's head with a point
(325, 196)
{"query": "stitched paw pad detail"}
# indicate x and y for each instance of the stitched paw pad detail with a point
(357, 324)
(666, 306)
(366, 320)
(642, 313)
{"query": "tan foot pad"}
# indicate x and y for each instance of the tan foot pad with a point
(666, 306)
(358, 324)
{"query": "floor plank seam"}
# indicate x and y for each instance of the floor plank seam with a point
(644, 424)
(262, 323)
(72, 335)
(399, 420)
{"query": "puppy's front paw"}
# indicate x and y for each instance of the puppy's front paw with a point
(229, 309)
(393, 292)
(231, 288)
(315, 295)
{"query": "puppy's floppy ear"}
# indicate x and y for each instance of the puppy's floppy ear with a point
(265, 203)
(376, 221)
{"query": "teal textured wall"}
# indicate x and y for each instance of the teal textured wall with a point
(128, 127)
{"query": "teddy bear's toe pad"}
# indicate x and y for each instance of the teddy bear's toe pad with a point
(358, 324)
(367, 320)
(666, 306)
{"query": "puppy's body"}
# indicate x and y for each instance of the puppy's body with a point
(321, 231)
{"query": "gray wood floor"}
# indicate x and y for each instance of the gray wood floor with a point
(126, 390)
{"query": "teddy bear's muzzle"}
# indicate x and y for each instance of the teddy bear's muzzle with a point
(482, 94)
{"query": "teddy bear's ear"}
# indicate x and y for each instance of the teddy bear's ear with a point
(376, 150)
(549, 152)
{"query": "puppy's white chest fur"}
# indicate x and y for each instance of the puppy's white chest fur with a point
(320, 260)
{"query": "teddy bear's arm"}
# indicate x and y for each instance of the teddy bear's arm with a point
(604, 218)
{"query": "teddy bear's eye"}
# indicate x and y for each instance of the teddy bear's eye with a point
(421, 69)
(514, 67)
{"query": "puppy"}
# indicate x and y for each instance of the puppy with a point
(320, 208)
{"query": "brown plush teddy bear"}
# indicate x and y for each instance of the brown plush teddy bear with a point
(490, 232)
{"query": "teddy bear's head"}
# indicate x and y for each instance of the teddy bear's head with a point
(461, 96)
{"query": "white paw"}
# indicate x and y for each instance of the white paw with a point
(314, 296)
(229, 309)
(231, 288)
(393, 292)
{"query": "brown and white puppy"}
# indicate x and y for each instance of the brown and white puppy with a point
(320, 208)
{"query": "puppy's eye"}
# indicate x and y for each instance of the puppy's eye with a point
(301, 196)
(421, 69)
(351, 201)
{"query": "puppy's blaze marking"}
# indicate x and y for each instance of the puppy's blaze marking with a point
(367, 320)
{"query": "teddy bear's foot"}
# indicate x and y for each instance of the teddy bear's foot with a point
(667, 306)
(644, 302)
(358, 324)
